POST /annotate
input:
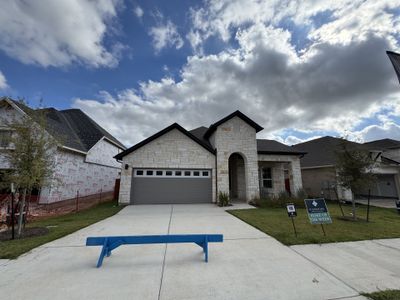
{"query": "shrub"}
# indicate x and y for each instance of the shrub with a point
(281, 200)
(223, 199)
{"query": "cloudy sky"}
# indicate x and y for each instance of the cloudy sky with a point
(301, 69)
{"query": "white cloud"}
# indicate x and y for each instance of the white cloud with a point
(334, 88)
(58, 33)
(3, 82)
(345, 19)
(165, 34)
(138, 11)
(338, 80)
(389, 129)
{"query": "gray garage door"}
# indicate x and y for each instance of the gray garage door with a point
(385, 187)
(167, 186)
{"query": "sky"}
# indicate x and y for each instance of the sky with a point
(301, 69)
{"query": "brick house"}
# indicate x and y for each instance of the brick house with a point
(84, 157)
(180, 166)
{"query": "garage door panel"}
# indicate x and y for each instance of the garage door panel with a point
(167, 190)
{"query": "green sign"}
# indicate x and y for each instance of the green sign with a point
(317, 211)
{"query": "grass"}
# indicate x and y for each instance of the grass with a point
(384, 223)
(58, 227)
(384, 295)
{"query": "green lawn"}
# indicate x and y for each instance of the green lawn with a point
(58, 227)
(384, 223)
(384, 295)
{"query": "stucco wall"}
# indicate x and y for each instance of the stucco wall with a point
(172, 150)
(74, 175)
(236, 136)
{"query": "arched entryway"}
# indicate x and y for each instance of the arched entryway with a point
(237, 177)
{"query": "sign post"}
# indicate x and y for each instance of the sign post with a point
(291, 211)
(398, 206)
(12, 212)
(318, 212)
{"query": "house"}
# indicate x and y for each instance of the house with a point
(319, 172)
(84, 157)
(180, 166)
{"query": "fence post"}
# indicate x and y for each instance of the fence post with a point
(101, 190)
(77, 201)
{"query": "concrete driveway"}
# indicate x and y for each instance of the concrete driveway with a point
(247, 265)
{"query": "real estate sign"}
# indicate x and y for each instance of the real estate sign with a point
(317, 211)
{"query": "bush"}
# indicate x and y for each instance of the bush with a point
(223, 199)
(281, 200)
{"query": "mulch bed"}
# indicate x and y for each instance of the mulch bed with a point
(26, 233)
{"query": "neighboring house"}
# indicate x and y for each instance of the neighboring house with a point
(319, 174)
(84, 157)
(180, 166)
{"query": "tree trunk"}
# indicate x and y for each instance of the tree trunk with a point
(338, 199)
(353, 208)
(21, 213)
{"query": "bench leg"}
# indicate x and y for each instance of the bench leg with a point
(205, 248)
(104, 252)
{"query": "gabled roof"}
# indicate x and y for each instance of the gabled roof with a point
(238, 114)
(199, 133)
(383, 144)
(321, 151)
(274, 147)
(71, 127)
(208, 147)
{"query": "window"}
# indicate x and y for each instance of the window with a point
(149, 173)
(178, 173)
(266, 177)
(139, 172)
(159, 173)
(196, 173)
(168, 173)
(187, 173)
(5, 137)
(205, 173)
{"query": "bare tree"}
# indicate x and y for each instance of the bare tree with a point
(354, 170)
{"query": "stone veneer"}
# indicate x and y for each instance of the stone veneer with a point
(294, 169)
(171, 150)
(236, 136)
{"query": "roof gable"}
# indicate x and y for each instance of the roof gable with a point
(238, 114)
(161, 133)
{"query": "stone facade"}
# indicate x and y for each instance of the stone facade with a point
(278, 164)
(235, 164)
(172, 150)
(236, 136)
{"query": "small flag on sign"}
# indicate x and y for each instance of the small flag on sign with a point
(395, 59)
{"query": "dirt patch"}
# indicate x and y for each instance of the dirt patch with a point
(28, 232)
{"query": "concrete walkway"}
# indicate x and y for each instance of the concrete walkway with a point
(248, 265)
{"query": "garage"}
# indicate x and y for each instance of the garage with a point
(385, 187)
(171, 186)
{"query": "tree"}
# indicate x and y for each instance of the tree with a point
(31, 157)
(354, 170)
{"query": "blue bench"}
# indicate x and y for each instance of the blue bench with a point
(110, 243)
